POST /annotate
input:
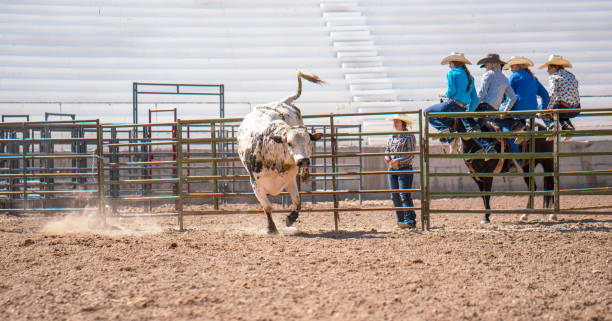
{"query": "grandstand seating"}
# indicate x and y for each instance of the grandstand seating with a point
(81, 57)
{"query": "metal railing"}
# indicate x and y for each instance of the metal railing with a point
(160, 167)
(531, 156)
(49, 167)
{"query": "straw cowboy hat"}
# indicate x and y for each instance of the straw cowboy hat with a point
(455, 56)
(556, 60)
(518, 60)
(403, 117)
(491, 57)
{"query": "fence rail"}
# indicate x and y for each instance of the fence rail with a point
(190, 162)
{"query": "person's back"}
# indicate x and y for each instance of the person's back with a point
(526, 88)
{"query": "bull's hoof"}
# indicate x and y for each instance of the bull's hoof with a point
(485, 220)
(291, 218)
(272, 231)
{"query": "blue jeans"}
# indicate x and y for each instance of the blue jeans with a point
(562, 116)
(402, 199)
(507, 125)
(442, 123)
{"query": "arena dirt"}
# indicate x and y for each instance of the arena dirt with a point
(228, 268)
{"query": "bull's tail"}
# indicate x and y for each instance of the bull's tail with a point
(310, 77)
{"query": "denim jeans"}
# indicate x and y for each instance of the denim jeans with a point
(507, 125)
(441, 123)
(562, 116)
(402, 199)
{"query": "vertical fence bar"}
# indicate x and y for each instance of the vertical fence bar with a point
(334, 151)
(422, 170)
(213, 148)
(532, 179)
(101, 202)
(179, 171)
(556, 163)
(426, 203)
(24, 136)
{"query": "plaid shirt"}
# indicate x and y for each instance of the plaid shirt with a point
(401, 143)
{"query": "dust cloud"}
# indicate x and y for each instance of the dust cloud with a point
(86, 224)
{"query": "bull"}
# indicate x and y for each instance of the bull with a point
(274, 146)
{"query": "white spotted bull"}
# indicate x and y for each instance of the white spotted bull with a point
(274, 146)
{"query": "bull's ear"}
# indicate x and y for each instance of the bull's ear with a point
(315, 136)
(277, 139)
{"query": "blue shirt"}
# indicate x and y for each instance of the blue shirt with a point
(527, 88)
(494, 87)
(457, 81)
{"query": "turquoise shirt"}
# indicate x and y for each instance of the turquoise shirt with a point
(457, 81)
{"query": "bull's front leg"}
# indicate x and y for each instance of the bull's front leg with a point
(262, 197)
(296, 203)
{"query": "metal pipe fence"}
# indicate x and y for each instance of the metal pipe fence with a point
(556, 155)
(140, 169)
(49, 167)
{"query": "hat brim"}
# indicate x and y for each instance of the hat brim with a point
(487, 59)
(409, 121)
(448, 59)
(559, 62)
(520, 61)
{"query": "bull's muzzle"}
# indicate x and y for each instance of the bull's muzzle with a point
(303, 166)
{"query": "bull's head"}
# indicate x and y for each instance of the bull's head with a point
(299, 144)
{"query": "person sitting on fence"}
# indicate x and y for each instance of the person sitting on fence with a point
(494, 88)
(460, 97)
(401, 143)
(563, 91)
(527, 89)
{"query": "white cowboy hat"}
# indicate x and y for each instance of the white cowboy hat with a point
(518, 60)
(403, 117)
(455, 56)
(556, 60)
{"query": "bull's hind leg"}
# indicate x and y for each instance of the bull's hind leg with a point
(267, 207)
(296, 203)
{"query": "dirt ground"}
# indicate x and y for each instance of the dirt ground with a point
(228, 268)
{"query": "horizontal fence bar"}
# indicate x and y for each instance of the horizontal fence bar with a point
(311, 210)
(508, 193)
(227, 177)
(220, 195)
(491, 174)
(518, 211)
(104, 126)
(145, 198)
(493, 155)
(166, 142)
(173, 162)
(28, 210)
(142, 181)
(48, 192)
(63, 175)
(46, 156)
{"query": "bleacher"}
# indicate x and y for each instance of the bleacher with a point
(72, 56)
